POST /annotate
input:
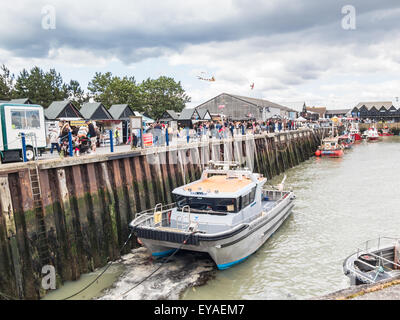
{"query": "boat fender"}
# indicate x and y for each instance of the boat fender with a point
(169, 217)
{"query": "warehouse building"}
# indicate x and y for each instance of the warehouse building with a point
(240, 108)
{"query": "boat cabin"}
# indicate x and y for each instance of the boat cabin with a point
(221, 191)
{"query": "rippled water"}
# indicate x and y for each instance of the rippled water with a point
(340, 203)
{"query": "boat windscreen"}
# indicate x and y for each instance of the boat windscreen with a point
(198, 204)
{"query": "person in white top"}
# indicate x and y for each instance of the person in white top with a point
(54, 136)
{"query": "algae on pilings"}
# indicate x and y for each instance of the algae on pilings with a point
(108, 213)
(21, 249)
(8, 281)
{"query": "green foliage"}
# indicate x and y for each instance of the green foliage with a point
(41, 87)
(6, 83)
(152, 96)
(76, 94)
(162, 94)
(111, 89)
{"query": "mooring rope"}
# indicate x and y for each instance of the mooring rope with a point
(161, 265)
(110, 263)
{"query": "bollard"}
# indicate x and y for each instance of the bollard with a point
(23, 147)
(71, 150)
(243, 130)
(111, 141)
(167, 137)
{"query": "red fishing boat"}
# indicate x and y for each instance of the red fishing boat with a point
(372, 134)
(385, 132)
(330, 147)
(355, 132)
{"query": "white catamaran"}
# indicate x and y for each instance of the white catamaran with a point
(226, 213)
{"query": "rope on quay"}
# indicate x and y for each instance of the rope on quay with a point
(162, 264)
(110, 263)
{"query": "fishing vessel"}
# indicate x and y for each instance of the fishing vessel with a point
(385, 132)
(346, 141)
(227, 213)
(355, 132)
(372, 134)
(330, 147)
(375, 260)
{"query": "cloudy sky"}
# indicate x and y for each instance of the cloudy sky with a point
(293, 51)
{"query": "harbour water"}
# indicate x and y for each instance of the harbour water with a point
(341, 202)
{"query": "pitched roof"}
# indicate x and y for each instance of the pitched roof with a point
(262, 102)
(202, 113)
(256, 102)
(187, 114)
(54, 110)
(170, 114)
(338, 111)
(21, 101)
(316, 109)
(376, 104)
(95, 111)
(121, 111)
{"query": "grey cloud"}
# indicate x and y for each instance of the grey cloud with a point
(301, 21)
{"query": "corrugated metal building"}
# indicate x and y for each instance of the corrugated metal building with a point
(236, 107)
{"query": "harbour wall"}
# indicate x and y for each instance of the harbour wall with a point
(70, 216)
(395, 127)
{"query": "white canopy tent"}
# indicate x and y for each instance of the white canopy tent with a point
(301, 119)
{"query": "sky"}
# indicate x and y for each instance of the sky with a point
(329, 53)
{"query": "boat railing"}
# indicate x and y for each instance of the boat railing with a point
(148, 215)
(379, 243)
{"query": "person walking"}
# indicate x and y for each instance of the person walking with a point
(92, 135)
(54, 136)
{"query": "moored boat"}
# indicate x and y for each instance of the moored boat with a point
(227, 213)
(330, 147)
(372, 134)
(375, 260)
(355, 132)
(346, 141)
(385, 132)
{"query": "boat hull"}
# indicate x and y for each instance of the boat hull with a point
(333, 153)
(226, 249)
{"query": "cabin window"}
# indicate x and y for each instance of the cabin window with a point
(32, 119)
(225, 205)
(245, 200)
(18, 119)
(252, 195)
(207, 204)
(25, 119)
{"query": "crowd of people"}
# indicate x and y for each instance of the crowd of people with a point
(218, 129)
(83, 138)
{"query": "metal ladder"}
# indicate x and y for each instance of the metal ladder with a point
(43, 247)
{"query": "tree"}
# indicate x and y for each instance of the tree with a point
(6, 83)
(159, 95)
(76, 94)
(111, 89)
(41, 87)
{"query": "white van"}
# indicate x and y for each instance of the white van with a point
(21, 118)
